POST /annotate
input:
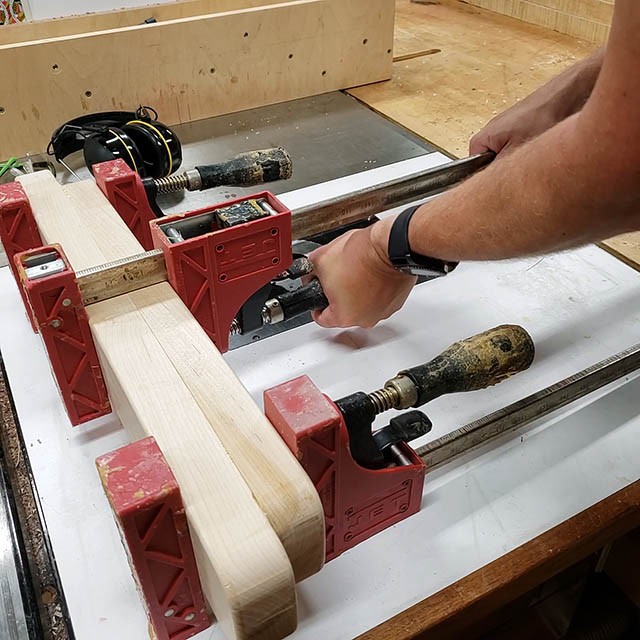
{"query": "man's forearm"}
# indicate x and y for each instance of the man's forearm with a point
(570, 178)
(554, 192)
(573, 87)
(538, 199)
(576, 183)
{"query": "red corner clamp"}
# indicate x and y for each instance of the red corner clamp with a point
(369, 480)
(366, 481)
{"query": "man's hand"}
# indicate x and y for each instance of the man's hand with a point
(543, 109)
(522, 122)
(361, 285)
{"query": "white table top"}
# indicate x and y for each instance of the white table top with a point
(579, 307)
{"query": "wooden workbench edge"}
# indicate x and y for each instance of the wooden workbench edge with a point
(451, 611)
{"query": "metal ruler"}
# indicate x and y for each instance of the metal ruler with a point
(121, 276)
(525, 411)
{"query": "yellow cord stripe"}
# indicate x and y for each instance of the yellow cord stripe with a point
(166, 144)
(126, 146)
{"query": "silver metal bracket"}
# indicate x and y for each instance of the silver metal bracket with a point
(43, 265)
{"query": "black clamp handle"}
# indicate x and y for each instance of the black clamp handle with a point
(309, 297)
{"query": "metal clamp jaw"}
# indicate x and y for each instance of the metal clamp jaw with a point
(382, 448)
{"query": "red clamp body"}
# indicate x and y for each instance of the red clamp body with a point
(55, 301)
(18, 230)
(124, 189)
(357, 502)
(148, 508)
(218, 270)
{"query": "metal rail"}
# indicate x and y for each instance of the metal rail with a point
(525, 411)
(363, 203)
(13, 621)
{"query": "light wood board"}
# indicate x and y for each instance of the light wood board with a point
(246, 572)
(484, 64)
(280, 486)
(195, 67)
(625, 247)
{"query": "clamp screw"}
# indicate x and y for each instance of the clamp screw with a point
(398, 393)
(190, 617)
(66, 302)
(56, 324)
(235, 329)
(168, 613)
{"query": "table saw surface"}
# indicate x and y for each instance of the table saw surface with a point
(580, 307)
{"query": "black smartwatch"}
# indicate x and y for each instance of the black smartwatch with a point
(405, 260)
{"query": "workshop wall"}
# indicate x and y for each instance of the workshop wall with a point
(43, 9)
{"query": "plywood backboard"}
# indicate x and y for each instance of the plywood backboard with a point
(193, 68)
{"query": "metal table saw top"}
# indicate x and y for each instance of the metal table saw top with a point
(327, 136)
(580, 307)
(331, 126)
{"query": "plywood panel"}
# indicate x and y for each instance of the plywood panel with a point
(626, 247)
(195, 67)
(479, 64)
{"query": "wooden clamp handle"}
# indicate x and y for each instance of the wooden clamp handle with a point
(475, 363)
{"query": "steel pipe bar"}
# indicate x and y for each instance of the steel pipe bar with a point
(358, 205)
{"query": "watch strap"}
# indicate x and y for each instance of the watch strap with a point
(398, 248)
(403, 259)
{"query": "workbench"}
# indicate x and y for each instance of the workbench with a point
(513, 513)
